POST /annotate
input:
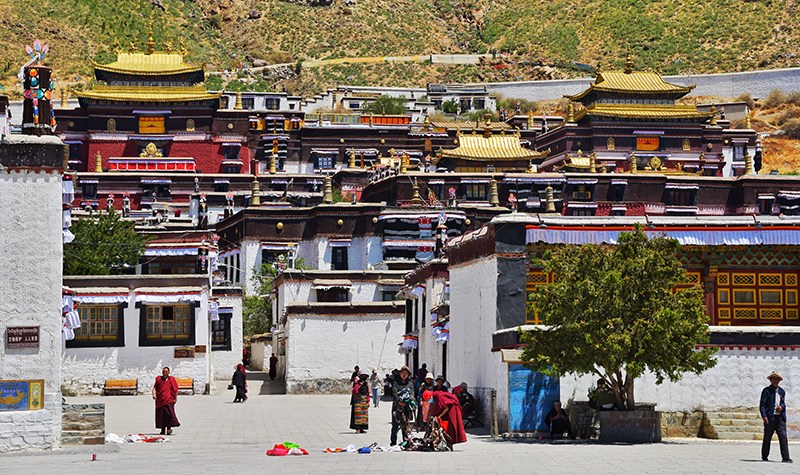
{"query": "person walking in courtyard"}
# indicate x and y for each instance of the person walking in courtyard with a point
(165, 393)
(239, 381)
(375, 383)
(773, 411)
(402, 392)
(273, 367)
(359, 405)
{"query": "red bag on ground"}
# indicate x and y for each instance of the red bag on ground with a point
(278, 451)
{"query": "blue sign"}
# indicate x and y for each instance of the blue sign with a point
(530, 397)
(21, 395)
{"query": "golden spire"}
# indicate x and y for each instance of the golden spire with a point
(255, 193)
(238, 105)
(150, 45)
(747, 118)
(352, 162)
(634, 165)
(132, 48)
(550, 203)
(168, 47)
(713, 120)
(748, 165)
(530, 119)
(182, 47)
(593, 163)
(327, 190)
(571, 113)
(98, 163)
(494, 197)
(64, 98)
(628, 64)
(416, 199)
(487, 125)
(427, 123)
(115, 48)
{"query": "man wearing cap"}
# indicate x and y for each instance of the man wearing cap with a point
(773, 411)
(402, 392)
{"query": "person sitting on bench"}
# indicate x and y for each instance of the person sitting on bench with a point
(558, 421)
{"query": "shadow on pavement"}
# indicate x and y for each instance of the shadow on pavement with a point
(267, 386)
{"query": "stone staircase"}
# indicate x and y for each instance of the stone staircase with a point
(83, 424)
(738, 423)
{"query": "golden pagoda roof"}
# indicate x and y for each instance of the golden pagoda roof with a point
(488, 146)
(155, 64)
(643, 111)
(632, 82)
(149, 93)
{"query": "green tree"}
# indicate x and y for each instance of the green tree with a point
(104, 244)
(257, 307)
(450, 106)
(386, 105)
(613, 311)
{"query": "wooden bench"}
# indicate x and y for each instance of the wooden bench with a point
(121, 386)
(185, 384)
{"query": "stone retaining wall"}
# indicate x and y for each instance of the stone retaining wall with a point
(83, 424)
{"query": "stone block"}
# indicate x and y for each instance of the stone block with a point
(94, 441)
(630, 426)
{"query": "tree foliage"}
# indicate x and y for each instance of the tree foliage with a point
(613, 311)
(104, 244)
(257, 306)
(386, 105)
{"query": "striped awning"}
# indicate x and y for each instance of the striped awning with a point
(739, 236)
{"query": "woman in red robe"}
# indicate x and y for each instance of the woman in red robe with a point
(165, 392)
(447, 408)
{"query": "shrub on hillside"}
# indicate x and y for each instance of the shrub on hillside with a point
(774, 99)
(787, 115)
(792, 128)
(748, 99)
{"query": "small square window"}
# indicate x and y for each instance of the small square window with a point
(744, 296)
(770, 297)
(724, 297)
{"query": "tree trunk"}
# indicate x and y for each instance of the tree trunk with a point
(631, 403)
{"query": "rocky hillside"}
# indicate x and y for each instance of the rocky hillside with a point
(570, 35)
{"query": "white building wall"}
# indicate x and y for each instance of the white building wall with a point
(374, 251)
(260, 352)
(249, 261)
(736, 381)
(473, 313)
(322, 350)
(84, 370)
(30, 295)
(222, 362)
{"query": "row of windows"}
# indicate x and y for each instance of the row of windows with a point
(754, 296)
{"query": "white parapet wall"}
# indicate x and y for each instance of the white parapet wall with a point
(30, 290)
(322, 347)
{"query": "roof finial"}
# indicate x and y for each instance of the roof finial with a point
(628, 64)
(571, 113)
(487, 125)
(151, 44)
(115, 47)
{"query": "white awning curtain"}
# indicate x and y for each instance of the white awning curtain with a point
(229, 253)
(681, 186)
(340, 243)
(168, 295)
(101, 295)
(325, 284)
(277, 246)
(412, 243)
(170, 251)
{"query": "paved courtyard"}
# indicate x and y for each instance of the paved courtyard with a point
(217, 436)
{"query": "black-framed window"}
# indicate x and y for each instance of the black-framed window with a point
(75, 151)
(582, 192)
(475, 191)
(681, 197)
(161, 191)
(272, 104)
(616, 193)
(339, 258)
(581, 212)
(765, 206)
(231, 168)
(167, 324)
(221, 187)
(101, 326)
(324, 161)
(425, 314)
(336, 294)
(231, 152)
(388, 295)
(221, 332)
(89, 191)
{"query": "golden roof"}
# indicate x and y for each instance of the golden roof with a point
(486, 147)
(633, 82)
(643, 111)
(149, 93)
(155, 64)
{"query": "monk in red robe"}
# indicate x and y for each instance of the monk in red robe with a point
(447, 408)
(165, 392)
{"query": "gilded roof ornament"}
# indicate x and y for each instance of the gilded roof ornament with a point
(115, 47)
(132, 48)
(182, 47)
(150, 44)
(167, 47)
(628, 64)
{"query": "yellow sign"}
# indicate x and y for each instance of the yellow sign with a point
(23, 395)
(647, 143)
(151, 125)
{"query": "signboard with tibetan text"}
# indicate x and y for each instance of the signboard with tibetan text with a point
(22, 337)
